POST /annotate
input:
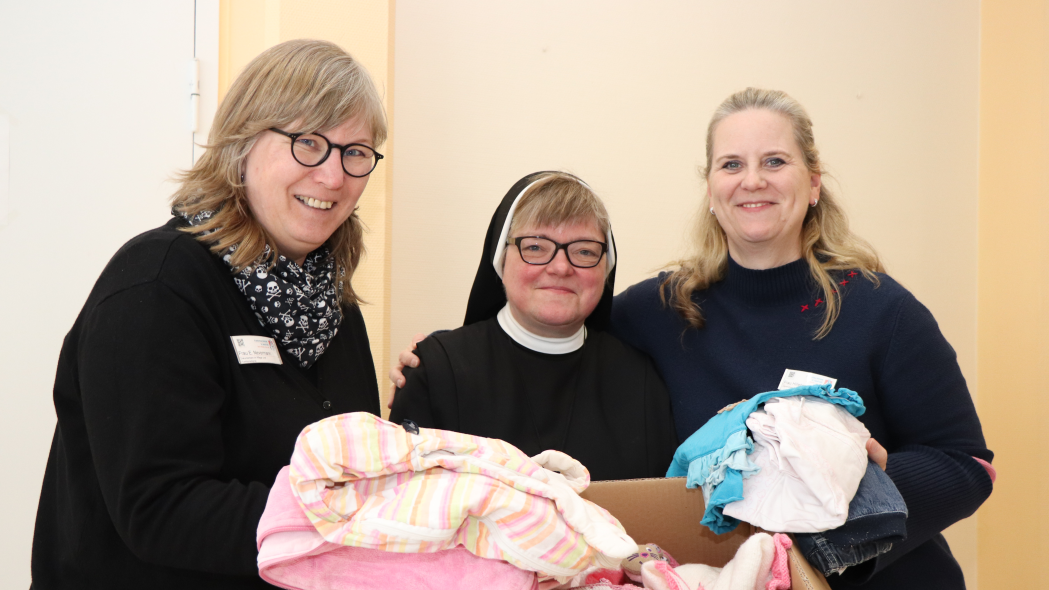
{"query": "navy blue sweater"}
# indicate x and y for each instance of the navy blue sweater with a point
(885, 345)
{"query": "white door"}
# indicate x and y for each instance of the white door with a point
(95, 100)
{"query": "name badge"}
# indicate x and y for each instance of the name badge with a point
(256, 349)
(793, 378)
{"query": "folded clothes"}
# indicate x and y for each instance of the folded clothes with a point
(877, 519)
(715, 456)
(293, 555)
(365, 482)
(812, 455)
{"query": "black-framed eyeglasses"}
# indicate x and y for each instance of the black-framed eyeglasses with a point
(312, 149)
(539, 251)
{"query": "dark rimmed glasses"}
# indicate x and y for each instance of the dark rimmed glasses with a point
(312, 149)
(539, 251)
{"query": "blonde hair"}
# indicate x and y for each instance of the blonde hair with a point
(556, 198)
(827, 242)
(314, 85)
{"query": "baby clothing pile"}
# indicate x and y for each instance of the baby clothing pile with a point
(377, 498)
(821, 442)
(794, 461)
(760, 563)
(811, 456)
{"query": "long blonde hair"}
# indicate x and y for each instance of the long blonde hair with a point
(827, 242)
(312, 84)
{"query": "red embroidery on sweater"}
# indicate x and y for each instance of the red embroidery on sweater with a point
(844, 282)
(818, 302)
(804, 308)
(852, 274)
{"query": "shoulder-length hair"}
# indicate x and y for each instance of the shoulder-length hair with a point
(314, 85)
(827, 242)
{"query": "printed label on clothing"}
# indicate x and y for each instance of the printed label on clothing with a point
(793, 378)
(256, 349)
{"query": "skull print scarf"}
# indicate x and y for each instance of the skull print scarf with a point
(299, 305)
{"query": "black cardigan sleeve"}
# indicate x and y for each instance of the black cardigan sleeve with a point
(429, 396)
(152, 404)
(412, 402)
(934, 432)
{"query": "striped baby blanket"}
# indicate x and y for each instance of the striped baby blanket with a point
(366, 482)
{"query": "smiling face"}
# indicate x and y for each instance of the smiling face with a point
(553, 300)
(301, 207)
(760, 187)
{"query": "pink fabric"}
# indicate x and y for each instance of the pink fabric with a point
(366, 482)
(292, 554)
(660, 575)
(990, 469)
(761, 563)
(607, 576)
(780, 571)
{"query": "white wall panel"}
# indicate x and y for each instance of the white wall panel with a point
(97, 98)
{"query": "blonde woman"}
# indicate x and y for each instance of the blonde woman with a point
(208, 343)
(779, 287)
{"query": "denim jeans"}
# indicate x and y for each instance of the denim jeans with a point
(877, 519)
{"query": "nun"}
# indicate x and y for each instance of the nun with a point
(533, 364)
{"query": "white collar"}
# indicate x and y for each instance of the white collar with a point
(531, 341)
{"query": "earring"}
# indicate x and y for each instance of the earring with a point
(712, 211)
(814, 203)
(242, 178)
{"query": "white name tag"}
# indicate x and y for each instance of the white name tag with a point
(256, 349)
(792, 379)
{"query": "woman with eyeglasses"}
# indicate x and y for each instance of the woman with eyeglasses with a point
(207, 344)
(532, 364)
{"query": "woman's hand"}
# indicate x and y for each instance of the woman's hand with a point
(875, 452)
(406, 358)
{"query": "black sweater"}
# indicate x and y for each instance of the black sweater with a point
(885, 345)
(166, 446)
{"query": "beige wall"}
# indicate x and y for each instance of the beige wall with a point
(620, 94)
(911, 101)
(365, 29)
(1014, 289)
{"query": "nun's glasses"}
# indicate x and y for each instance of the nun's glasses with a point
(539, 251)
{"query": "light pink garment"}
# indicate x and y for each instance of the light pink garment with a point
(292, 554)
(812, 456)
(989, 468)
(779, 574)
(366, 482)
(760, 563)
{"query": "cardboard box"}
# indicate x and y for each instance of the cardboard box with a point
(663, 511)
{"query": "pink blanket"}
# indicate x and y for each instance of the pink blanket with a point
(292, 554)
